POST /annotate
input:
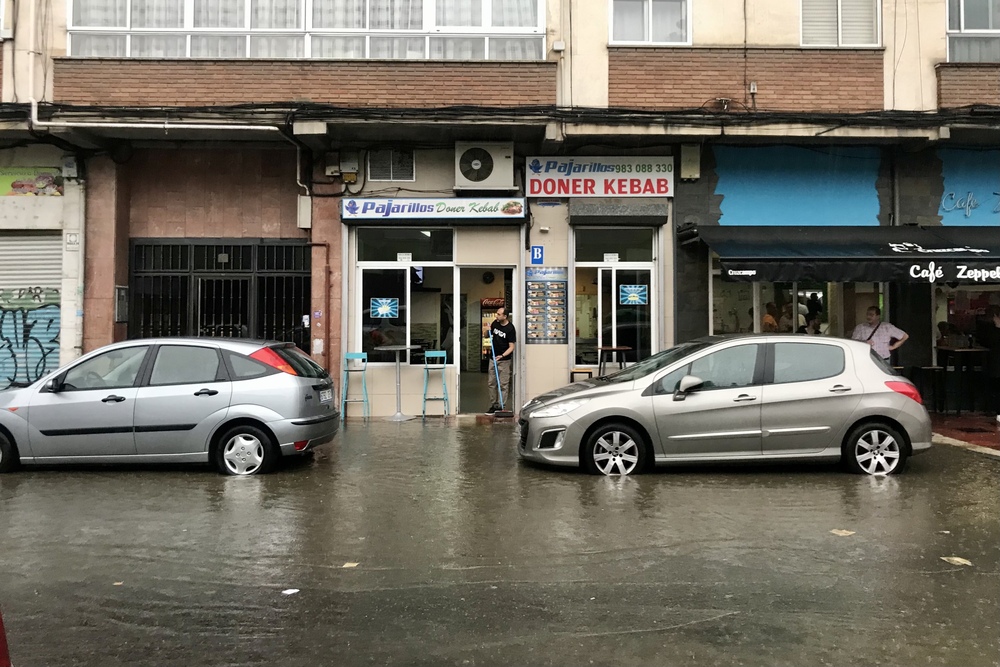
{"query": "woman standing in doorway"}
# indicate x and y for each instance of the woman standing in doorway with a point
(990, 337)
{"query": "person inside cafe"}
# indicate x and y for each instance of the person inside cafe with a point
(884, 337)
(769, 323)
(989, 336)
(811, 326)
(950, 336)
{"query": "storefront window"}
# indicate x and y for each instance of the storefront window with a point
(614, 294)
(631, 245)
(407, 292)
(386, 245)
(960, 313)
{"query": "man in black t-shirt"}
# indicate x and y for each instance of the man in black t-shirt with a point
(503, 335)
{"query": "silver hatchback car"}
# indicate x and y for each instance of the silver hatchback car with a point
(236, 403)
(734, 398)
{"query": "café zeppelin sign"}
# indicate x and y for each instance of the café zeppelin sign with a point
(600, 176)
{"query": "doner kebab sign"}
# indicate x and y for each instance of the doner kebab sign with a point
(563, 176)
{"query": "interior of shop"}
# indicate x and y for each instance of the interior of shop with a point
(483, 290)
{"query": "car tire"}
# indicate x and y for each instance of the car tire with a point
(875, 448)
(245, 450)
(8, 455)
(615, 449)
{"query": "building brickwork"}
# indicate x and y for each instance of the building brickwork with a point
(963, 84)
(364, 83)
(809, 80)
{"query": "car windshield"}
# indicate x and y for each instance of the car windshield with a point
(658, 361)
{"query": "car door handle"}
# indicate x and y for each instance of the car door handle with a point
(206, 392)
(839, 389)
(743, 398)
(113, 399)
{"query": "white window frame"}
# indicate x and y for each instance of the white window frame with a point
(962, 31)
(840, 30)
(359, 305)
(306, 30)
(687, 41)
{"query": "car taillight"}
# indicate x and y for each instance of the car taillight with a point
(266, 355)
(906, 389)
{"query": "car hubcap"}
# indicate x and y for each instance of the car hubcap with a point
(243, 455)
(877, 452)
(615, 453)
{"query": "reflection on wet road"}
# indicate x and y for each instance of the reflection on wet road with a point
(466, 556)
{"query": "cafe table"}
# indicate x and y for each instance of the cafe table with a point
(398, 349)
(963, 359)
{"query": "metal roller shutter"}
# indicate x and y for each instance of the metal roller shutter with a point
(30, 283)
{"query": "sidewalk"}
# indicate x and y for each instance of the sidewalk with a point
(972, 430)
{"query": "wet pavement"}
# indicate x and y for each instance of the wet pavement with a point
(416, 544)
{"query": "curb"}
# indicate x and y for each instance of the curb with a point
(945, 440)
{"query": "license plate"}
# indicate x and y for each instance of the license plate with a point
(326, 396)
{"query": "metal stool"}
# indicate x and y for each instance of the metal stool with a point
(428, 367)
(362, 368)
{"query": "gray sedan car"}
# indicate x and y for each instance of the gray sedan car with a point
(734, 398)
(238, 404)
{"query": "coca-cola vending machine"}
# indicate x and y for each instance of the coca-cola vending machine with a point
(487, 313)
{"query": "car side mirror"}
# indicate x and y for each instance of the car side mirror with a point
(687, 384)
(54, 386)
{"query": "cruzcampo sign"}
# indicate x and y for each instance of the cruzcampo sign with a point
(453, 207)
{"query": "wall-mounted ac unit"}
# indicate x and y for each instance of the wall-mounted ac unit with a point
(484, 165)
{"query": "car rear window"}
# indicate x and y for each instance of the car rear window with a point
(245, 368)
(801, 362)
(301, 362)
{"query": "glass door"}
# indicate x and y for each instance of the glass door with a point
(613, 309)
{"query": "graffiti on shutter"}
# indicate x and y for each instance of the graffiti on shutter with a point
(29, 334)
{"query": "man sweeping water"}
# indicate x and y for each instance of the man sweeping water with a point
(502, 339)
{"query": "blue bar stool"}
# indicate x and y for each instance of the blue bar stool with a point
(440, 363)
(362, 368)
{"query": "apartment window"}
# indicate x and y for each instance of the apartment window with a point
(840, 23)
(974, 31)
(335, 29)
(650, 22)
(390, 164)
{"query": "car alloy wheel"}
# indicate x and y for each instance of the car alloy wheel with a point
(615, 449)
(245, 450)
(876, 449)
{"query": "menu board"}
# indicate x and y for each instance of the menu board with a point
(546, 315)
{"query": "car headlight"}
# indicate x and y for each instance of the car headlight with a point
(559, 409)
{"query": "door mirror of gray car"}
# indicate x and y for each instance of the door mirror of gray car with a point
(53, 385)
(687, 384)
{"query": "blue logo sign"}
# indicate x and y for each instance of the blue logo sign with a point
(385, 308)
(351, 207)
(537, 254)
(633, 295)
(535, 166)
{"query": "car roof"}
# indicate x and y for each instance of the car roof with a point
(228, 343)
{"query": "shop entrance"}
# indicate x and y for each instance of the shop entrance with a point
(482, 290)
(613, 311)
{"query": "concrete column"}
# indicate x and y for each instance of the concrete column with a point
(327, 281)
(106, 237)
(71, 308)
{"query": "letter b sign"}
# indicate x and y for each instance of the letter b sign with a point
(537, 254)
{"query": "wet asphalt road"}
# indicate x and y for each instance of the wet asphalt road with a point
(464, 556)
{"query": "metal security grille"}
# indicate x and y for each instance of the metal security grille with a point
(224, 288)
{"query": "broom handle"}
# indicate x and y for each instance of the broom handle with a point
(496, 369)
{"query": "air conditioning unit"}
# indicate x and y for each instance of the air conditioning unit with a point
(484, 165)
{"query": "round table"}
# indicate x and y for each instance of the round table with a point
(399, 416)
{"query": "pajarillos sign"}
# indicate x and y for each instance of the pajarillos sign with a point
(563, 176)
